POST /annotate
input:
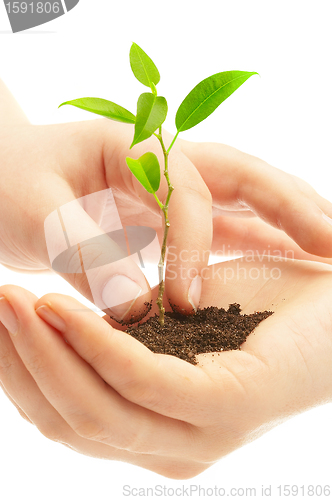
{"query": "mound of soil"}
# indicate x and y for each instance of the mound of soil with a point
(211, 329)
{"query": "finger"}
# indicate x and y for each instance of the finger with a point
(23, 392)
(169, 467)
(252, 237)
(93, 409)
(284, 201)
(190, 234)
(167, 384)
(94, 261)
(164, 384)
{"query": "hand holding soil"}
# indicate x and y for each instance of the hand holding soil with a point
(104, 394)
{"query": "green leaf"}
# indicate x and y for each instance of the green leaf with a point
(147, 170)
(207, 96)
(151, 113)
(104, 108)
(143, 67)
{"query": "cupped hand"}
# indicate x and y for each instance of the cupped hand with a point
(99, 391)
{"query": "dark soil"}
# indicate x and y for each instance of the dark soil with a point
(211, 329)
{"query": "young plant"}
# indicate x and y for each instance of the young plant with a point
(150, 115)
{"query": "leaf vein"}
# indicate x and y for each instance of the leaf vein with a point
(211, 95)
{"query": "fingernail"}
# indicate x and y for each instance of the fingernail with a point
(327, 219)
(119, 295)
(195, 290)
(51, 317)
(8, 317)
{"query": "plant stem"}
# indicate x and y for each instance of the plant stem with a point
(166, 228)
(172, 143)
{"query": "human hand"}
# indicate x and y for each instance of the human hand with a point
(104, 394)
(256, 206)
(45, 168)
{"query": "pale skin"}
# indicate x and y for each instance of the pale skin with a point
(104, 394)
(46, 167)
(179, 418)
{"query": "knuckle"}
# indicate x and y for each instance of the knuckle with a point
(190, 180)
(200, 191)
(117, 435)
(147, 397)
(141, 390)
(36, 365)
(137, 437)
(92, 430)
(96, 358)
(136, 442)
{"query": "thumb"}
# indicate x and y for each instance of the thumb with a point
(88, 247)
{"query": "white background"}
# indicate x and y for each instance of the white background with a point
(283, 116)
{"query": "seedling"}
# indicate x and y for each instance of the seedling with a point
(151, 114)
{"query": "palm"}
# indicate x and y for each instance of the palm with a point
(282, 367)
(280, 370)
(296, 337)
(181, 418)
